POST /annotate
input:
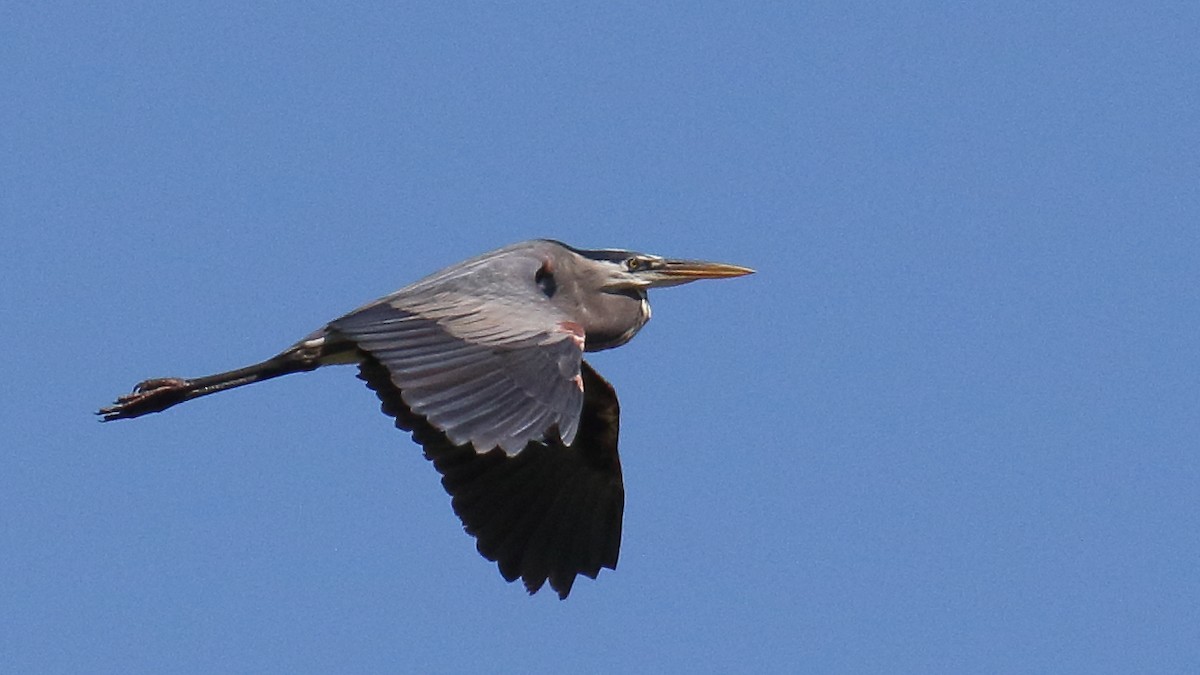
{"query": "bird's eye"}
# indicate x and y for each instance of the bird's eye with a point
(633, 264)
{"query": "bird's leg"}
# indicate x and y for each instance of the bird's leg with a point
(158, 394)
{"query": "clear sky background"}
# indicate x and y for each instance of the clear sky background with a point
(952, 425)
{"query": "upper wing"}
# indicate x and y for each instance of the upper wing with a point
(550, 512)
(479, 351)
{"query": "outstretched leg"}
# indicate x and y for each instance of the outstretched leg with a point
(155, 395)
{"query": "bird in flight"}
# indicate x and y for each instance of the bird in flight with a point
(483, 363)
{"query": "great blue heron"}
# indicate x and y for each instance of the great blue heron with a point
(483, 363)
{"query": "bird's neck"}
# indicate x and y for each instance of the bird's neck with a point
(615, 319)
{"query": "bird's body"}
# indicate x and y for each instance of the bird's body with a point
(483, 363)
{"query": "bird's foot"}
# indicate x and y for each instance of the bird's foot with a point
(148, 396)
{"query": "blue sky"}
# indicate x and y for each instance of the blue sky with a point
(950, 426)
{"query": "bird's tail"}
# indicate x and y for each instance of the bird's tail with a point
(158, 394)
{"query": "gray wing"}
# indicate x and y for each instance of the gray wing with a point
(479, 351)
(551, 512)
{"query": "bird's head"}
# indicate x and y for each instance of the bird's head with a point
(630, 270)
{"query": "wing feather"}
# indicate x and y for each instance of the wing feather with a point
(456, 334)
(545, 514)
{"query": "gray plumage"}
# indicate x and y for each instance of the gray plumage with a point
(483, 363)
